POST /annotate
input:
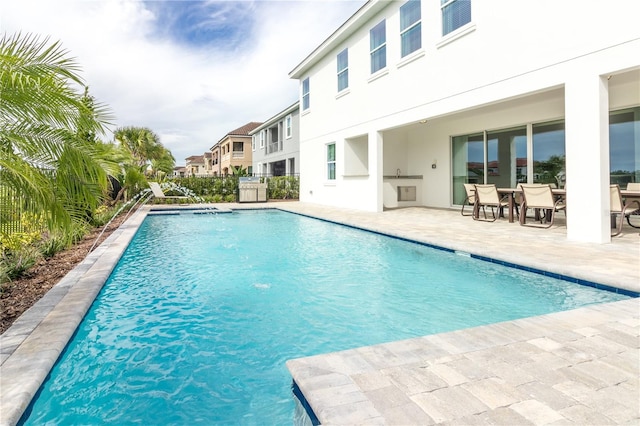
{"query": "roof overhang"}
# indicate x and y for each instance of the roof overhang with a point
(357, 20)
(276, 118)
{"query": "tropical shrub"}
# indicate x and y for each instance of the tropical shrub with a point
(283, 188)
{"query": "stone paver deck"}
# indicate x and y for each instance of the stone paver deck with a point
(579, 366)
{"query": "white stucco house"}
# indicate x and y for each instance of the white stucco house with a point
(443, 92)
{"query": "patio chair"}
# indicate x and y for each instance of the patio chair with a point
(487, 196)
(470, 200)
(619, 208)
(539, 197)
(632, 186)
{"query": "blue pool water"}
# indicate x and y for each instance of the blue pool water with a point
(197, 320)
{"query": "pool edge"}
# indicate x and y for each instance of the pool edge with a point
(23, 390)
(31, 346)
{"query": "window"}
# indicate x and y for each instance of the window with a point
(331, 161)
(501, 157)
(624, 146)
(468, 163)
(548, 153)
(343, 70)
(253, 143)
(262, 138)
(410, 27)
(378, 45)
(238, 146)
(305, 94)
(287, 126)
(455, 14)
(507, 157)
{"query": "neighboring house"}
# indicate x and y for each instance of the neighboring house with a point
(276, 144)
(429, 90)
(234, 149)
(195, 166)
(179, 171)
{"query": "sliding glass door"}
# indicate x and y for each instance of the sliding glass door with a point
(507, 157)
(468, 163)
(624, 146)
(495, 157)
(548, 153)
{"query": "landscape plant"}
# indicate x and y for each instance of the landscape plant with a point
(48, 126)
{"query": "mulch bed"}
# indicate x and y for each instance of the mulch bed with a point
(20, 294)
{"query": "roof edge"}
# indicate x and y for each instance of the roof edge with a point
(273, 119)
(343, 32)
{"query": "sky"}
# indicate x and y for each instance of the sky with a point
(191, 71)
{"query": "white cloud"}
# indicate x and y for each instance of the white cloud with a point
(191, 96)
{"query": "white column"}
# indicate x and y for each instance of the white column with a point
(375, 171)
(587, 158)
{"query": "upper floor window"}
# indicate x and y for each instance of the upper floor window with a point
(410, 27)
(238, 146)
(331, 161)
(378, 45)
(262, 138)
(287, 127)
(455, 14)
(305, 94)
(343, 70)
(253, 143)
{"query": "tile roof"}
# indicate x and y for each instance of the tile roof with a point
(244, 130)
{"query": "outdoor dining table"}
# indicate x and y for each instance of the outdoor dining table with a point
(510, 192)
(628, 194)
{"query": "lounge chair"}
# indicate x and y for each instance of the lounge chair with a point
(157, 192)
(487, 196)
(539, 197)
(619, 208)
(470, 200)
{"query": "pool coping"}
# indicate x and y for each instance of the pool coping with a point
(578, 366)
(32, 345)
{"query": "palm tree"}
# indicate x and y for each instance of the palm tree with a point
(142, 143)
(45, 154)
(147, 156)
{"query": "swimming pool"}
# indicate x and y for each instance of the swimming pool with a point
(256, 289)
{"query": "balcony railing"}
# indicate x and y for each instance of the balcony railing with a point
(238, 154)
(274, 147)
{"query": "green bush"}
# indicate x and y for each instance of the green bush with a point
(208, 186)
(14, 263)
(283, 188)
(53, 244)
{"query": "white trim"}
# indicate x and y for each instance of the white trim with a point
(343, 92)
(379, 74)
(454, 35)
(410, 58)
(290, 128)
